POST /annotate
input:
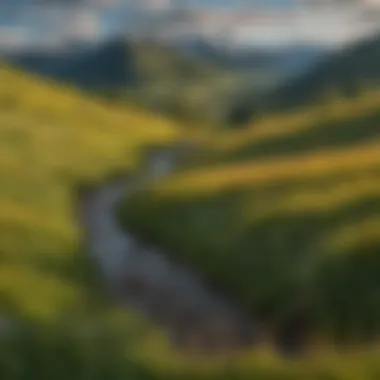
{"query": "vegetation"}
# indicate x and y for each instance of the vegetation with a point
(60, 353)
(157, 77)
(338, 122)
(51, 141)
(347, 72)
(284, 217)
(179, 85)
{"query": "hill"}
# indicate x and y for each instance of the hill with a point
(101, 67)
(340, 122)
(344, 73)
(156, 76)
(120, 63)
(180, 85)
(204, 86)
(290, 227)
(279, 61)
(53, 139)
(258, 71)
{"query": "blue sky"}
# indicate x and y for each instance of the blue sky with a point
(12, 12)
(34, 20)
(24, 22)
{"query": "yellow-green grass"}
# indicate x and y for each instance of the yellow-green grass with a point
(280, 231)
(62, 354)
(52, 140)
(337, 122)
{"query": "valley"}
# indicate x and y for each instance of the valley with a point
(257, 256)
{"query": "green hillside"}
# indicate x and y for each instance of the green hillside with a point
(339, 122)
(121, 62)
(295, 224)
(345, 73)
(290, 227)
(52, 140)
(181, 86)
(156, 76)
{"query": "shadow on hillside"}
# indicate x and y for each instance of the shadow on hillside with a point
(288, 258)
(304, 269)
(321, 135)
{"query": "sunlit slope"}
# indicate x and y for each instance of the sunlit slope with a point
(53, 139)
(158, 77)
(281, 231)
(338, 122)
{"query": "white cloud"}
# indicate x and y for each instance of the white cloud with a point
(12, 38)
(156, 5)
(103, 3)
(52, 24)
(60, 21)
(85, 25)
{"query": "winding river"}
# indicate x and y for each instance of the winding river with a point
(141, 277)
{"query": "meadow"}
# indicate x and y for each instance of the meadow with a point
(284, 217)
(54, 140)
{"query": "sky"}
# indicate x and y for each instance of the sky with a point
(30, 22)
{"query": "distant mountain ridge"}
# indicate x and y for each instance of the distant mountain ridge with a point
(117, 62)
(69, 63)
(192, 79)
(107, 65)
(161, 77)
(344, 73)
(288, 60)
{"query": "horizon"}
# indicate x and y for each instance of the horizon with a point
(239, 23)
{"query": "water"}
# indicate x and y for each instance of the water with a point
(142, 277)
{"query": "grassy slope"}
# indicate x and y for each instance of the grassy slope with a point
(53, 139)
(186, 87)
(157, 76)
(346, 72)
(287, 214)
(336, 123)
(179, 85)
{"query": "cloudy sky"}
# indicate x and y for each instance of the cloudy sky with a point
(27, 22)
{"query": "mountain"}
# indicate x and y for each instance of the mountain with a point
(344, 73)
(224, 57)
(190, 79)
(284, 214)
(259, 71)
(87, 66)
(109, 65)
(287, 223)
(49, 61)
(154, 75)
(117, 63)
(288, 60)
(53, 141)
(290, 235)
